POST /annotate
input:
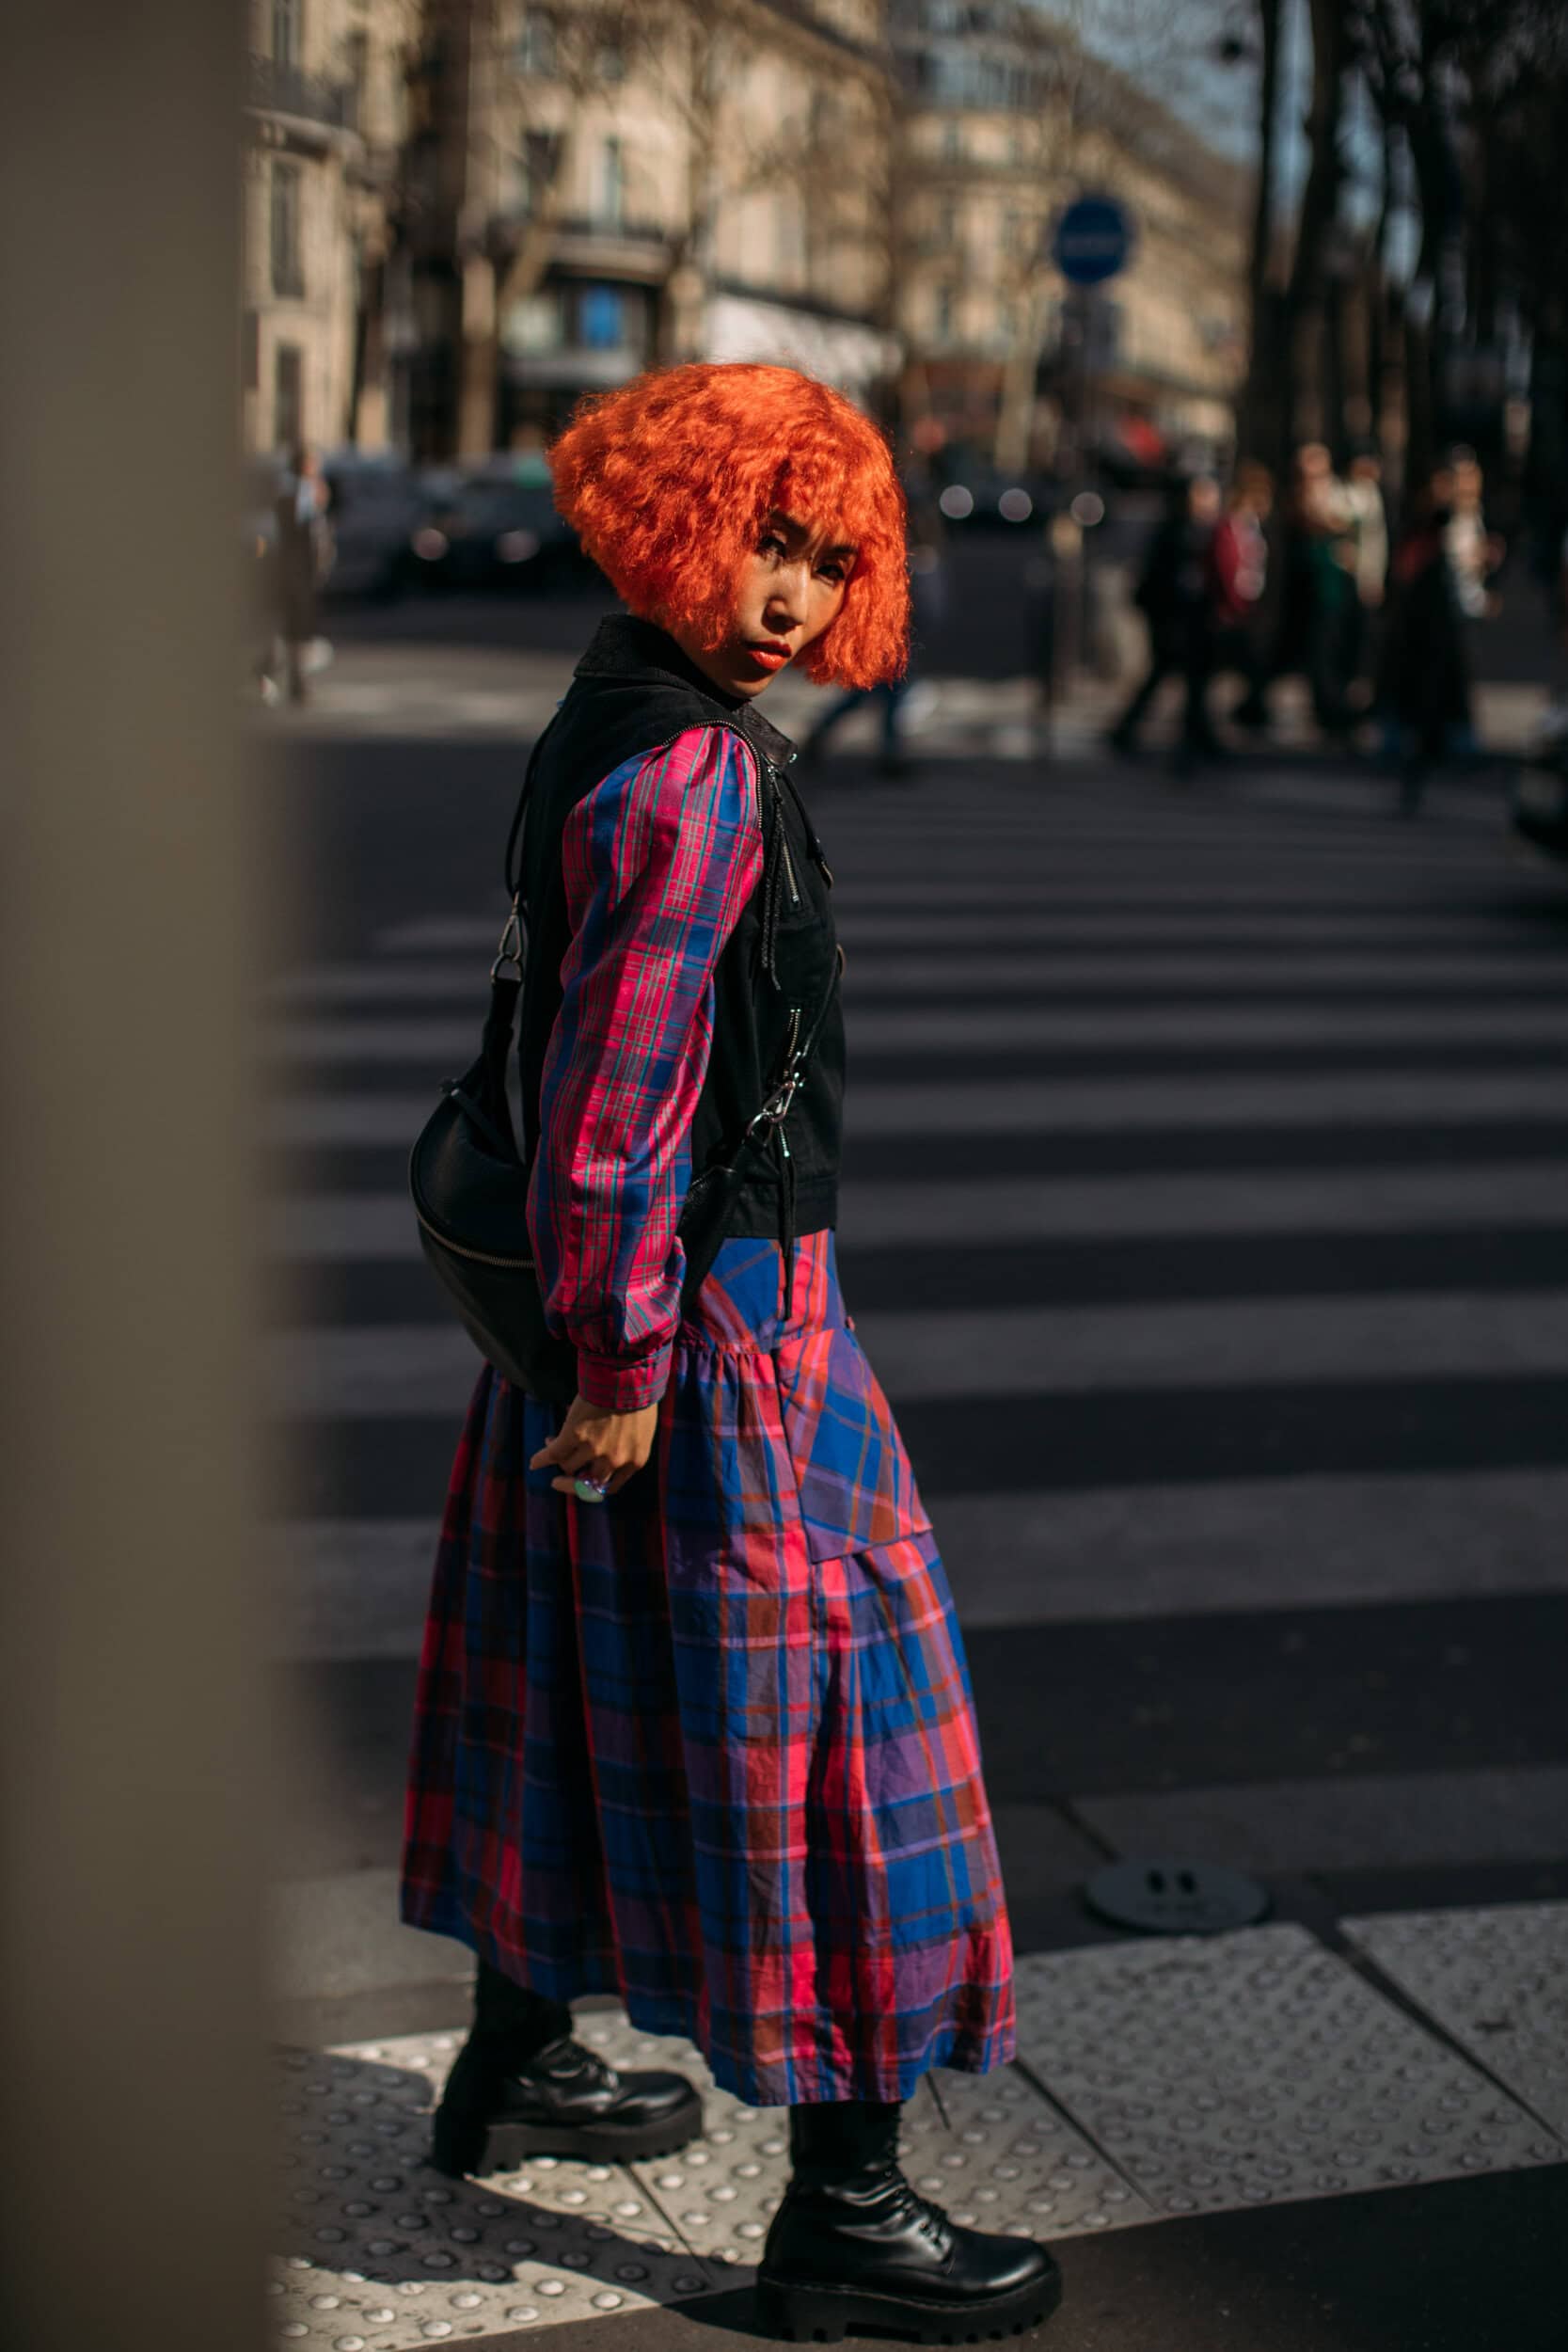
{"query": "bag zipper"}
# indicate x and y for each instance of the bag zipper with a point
(480, 1257)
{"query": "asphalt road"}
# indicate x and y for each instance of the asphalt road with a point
(1205, 1216)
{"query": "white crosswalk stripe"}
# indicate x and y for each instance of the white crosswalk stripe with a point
(877, 969)
(1014, 1351)
(1055, 1107)
(365, 1225)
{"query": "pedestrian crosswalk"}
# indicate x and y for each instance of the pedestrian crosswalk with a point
(1205, 1216)
(1151, 1013)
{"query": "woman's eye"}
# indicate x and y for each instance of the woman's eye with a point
(773, 545)
(834, 572)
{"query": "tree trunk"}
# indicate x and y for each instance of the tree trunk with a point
(479, 359)
(1256, 425)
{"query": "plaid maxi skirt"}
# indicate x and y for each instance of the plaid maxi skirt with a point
(711, 1746)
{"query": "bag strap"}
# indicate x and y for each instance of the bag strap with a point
(513, 838)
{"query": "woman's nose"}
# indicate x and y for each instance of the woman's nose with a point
(788, 598)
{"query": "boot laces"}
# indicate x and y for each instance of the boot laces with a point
(568, 2059)
(907, 2205)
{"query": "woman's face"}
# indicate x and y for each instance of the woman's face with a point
(791, 586)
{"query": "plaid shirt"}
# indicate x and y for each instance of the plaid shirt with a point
(658, 860)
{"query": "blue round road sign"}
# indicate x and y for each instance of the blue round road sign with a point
(1093, 240)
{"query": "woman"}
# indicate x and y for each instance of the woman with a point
(302, 558)
(694, 1723)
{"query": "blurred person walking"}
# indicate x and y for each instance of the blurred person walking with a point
(1174, 596)
(693, 1725)
(1362, 499)
(1238, 574)
(1424, 683)
(1325, 554)
(1475, 555)
(928, 561)
(301, 559)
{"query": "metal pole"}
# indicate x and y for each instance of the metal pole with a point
(131, 1973)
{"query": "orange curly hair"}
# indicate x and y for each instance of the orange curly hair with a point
(668, 479)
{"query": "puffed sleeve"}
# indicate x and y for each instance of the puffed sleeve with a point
(658, 861)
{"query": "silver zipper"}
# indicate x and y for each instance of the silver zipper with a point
(480, 1257)
(789, 869)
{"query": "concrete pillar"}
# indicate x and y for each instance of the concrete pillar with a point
(135, 2211)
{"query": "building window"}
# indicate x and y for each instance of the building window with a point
(536, 167)
(288, 276)
(537, 42)
(952, 142)
(250, 351)
(944, 320)
(611, 60)
(286, 31)
(288, 396)
(357, 54)
(602, 318)
(613, 184)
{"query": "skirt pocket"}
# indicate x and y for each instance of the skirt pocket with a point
(856, 1483)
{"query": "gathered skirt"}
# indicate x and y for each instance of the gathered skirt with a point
(709, 1746)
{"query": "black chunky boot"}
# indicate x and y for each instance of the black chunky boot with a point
(521, 2087)
(853, 2245)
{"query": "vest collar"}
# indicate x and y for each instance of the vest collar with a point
(623, 647)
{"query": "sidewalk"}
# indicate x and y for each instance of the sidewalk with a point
(415, 691)
(1221, 2106)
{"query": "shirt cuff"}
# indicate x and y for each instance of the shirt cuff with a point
(618, 1387)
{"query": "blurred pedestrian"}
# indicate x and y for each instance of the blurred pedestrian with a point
(301, 559)
(1238, 573)
(693, 1680)
(1475, 553)
(1324, 551)
(927, 536)
(1173, 594)
(1475, 556)
(1363, 498)
(1423, 680)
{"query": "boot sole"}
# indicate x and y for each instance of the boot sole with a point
(823, 2314)
(468, 2149)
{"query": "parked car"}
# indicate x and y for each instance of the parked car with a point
(491, 528)
(981, 496)
(1540, 794)
(377, 506)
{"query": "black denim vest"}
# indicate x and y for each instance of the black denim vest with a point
(632, 692)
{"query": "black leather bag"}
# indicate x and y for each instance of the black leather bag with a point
(469, 1183)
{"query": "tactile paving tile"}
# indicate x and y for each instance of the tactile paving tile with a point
(1006, 2159)
(1001, 2160)
(1253, 2068)
(1497, 1979)
(382, 2252)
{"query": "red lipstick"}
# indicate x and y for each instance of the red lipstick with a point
(772, 652)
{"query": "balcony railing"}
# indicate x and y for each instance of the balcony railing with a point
(285, 90)
(609, 225)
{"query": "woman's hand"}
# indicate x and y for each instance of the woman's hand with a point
(595, 1444)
